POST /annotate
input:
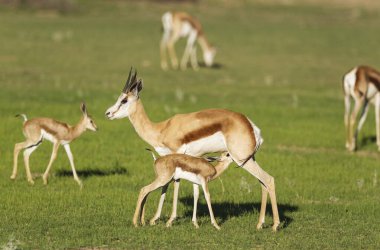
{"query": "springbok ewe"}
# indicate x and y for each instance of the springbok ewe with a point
(198, 133)
(59, 133)
(180, 24)
(180, 166)
(363, 85)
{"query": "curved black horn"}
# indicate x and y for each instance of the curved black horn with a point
(131, 79)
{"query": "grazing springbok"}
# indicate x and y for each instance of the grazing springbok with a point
(363, 85)
(180, 166)
(59, 133)
(198, 133)
(180, 24)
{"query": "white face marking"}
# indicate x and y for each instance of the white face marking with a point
(210, 144)
(121, 108)
(180, 174)
(208, 56)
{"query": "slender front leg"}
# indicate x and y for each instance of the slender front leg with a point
(358, 104)
(363, 117)
(188, 49)
(160, 204)
(196, 197)
(71, 159)
(347, 109)
(174, 209)
(268, 181)
(27, 153)
(171, 50)
(52, 158)
(208, 200)
(163, 46)
(143, 195)
(194, 60)
(16, 151)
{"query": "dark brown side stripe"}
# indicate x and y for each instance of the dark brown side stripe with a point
(201, 133)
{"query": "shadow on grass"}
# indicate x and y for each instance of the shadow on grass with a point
(214, 65)
(93, 172)
(225, 210)
(368, 140)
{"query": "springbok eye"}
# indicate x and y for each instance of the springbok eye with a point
(124, 101)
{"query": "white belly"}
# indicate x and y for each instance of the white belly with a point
(180, 174)
(211, 144)
(47, 136)
(185, 29)
(163, 151)
(372, 91)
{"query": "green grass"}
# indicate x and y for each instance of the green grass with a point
(280, 65)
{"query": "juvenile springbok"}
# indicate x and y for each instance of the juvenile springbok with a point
(180, 166)
(180, 24)
(198, 133)
(59, 133)
(363, 85)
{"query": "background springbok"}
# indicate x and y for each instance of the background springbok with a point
(180, 166)
(363, 85)
(180, 24)
(59, 133)
(198, 133)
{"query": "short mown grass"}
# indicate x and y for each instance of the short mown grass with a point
(281, 65)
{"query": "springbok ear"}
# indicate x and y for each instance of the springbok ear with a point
(137, 87)
(83, 108)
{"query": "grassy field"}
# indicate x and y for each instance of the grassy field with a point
(281, 65)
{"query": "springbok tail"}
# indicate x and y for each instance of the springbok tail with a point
(154, 156)
(23, 116)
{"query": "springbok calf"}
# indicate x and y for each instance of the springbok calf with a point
(198, 133)
(180, 166)
(363, 85)
(59, 133)
(180, 24)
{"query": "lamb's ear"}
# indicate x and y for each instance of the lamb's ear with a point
(83, 108)
(137, 87)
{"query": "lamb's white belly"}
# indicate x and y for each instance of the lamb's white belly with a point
(180, 174)
(372, 91)
(47, 136)
(211, 144)
(163, 151)
(185, 29)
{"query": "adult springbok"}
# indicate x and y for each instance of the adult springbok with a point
(198, 133)
(180, 24)
(363, 85)
(59, 133)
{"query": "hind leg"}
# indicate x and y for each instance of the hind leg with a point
(27, 152)
(18, 147)
(158, 182)
(268, 181)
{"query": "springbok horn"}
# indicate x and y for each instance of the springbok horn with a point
(128, 83)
